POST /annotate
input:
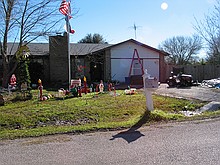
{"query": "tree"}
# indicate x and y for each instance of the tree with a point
(95, 38)
(22, 22)
(182, 49)
(209, 30)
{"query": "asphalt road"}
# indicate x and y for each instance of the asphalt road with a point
(189, 143)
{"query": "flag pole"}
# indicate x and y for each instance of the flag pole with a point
(68, 49)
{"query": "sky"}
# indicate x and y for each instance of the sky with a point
(115, 19)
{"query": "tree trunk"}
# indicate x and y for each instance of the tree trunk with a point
(6, 77)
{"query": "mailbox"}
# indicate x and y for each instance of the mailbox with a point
(150, 83)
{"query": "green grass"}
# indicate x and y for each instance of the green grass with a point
(88, 113)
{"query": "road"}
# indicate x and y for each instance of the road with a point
(185, 143)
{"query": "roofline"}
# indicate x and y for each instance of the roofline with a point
(141, 44)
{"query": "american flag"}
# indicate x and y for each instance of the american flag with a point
(65, 8)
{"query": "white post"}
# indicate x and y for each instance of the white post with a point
(149, 100)
(150, 83)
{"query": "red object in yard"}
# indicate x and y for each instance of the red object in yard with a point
(13, 80)
(85, 90)
(40, 87)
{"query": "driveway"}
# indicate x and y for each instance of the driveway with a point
(194, 92)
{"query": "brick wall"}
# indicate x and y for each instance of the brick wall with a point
(58, 59)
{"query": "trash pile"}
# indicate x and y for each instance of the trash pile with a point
(213, 83)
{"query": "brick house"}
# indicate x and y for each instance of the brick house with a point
(96, 61)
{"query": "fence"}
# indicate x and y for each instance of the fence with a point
(199, 72)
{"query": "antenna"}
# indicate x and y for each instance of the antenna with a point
(135, 27)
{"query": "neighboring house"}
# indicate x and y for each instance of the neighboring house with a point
(97, 61)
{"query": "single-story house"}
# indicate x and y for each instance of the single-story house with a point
(97, 62)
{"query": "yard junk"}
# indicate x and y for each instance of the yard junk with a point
(212, 106)
(212, 83)
(180, 80)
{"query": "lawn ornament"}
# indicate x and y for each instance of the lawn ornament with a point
(40, 88)
(110, 87)
(12, 84)
(85, 86)
(101, 87)
(13, 81)
(130, 91)
(75, 87)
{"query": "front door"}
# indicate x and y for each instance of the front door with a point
(96, 72)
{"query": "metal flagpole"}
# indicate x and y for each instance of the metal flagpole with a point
(68, 49)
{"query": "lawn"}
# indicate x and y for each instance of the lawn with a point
(90, 112)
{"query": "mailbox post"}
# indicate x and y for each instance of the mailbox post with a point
(150, 84)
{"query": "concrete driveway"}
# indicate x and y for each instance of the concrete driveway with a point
(194, 92)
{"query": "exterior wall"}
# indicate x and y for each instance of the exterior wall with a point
(58, 59)
(121, 58)
(162, 68)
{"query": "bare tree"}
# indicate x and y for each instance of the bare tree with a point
(22, 22)
(209, 30)
(181, 49)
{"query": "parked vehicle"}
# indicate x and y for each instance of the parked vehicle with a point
(180, 80)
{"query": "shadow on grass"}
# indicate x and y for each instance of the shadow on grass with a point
(133, 134)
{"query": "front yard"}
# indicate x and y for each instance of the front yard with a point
(90, 112)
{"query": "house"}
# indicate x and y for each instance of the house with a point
(121, 62)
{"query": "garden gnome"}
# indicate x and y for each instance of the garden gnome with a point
(101, 87)
(13, 81)
(40, 87)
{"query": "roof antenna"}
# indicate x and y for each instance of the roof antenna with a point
(135, 27)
